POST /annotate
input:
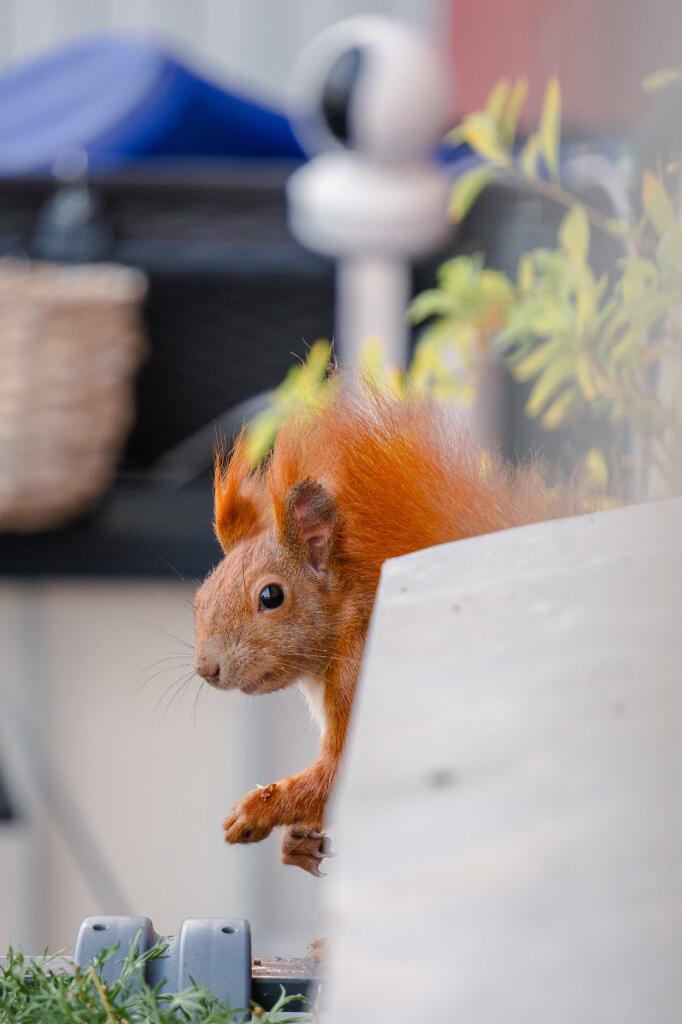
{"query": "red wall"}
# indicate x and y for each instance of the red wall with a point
(599, 48)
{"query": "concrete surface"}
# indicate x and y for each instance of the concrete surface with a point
(509, 825)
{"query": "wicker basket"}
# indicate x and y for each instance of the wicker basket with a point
(70, 342)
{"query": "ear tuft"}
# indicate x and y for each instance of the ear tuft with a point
(239, 499)
(311, 522)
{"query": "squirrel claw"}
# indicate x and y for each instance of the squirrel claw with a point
(318, 949)
(305, 848)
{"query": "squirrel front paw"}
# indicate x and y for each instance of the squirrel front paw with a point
(251, 818)
(305, 847)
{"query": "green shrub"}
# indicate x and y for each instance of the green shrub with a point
(35, 991)
(593, 350)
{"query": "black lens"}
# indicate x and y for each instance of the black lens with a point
(270, 596)
(338, 91)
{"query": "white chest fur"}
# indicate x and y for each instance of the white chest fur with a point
(313, 691)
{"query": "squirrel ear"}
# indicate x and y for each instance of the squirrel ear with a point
(311, 522)
(239, 497)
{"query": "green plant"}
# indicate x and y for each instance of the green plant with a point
(592, 347)
(35, 991)
(305, 385)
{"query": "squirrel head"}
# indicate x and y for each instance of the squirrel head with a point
(269, 613)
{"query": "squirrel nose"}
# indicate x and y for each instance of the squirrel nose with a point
(208, 668)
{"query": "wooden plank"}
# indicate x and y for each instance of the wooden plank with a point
(510, 824)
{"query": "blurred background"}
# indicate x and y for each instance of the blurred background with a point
(144, 153)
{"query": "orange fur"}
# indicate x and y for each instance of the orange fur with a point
(238, 500)
(404, 476)
(366, 479)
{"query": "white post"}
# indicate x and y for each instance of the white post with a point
(374, 98)
(372, 294)
(509, 820)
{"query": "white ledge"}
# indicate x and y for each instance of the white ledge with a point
(509, 824)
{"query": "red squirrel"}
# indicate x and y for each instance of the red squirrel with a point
(365, 479)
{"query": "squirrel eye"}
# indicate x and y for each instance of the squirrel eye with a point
(270, 597)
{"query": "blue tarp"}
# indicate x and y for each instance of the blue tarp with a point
(120, 100)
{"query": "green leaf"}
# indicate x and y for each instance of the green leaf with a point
(574, 235)
(556, 414)
(597, 469)
(455, 137)
(433, 302)
(657, 203)
(541, 355)
(558, 373)
(511, 115)
(517, 333)
(525, 275)
(661, 79)
(481, 132)
(459, 271)
(496, 286)
(317, 361)
(586, 379)
(305, 386)
(639, 278)
(617, 228)
(550, 124)
(497, 100)
(262, 432)
(442, 361)
(467, 189)
(623, 347)
(530, 153)
(548, 317)
(669, 252)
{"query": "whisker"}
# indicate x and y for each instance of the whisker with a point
(166, 668)
(181, 690)
(196, 701)
(180, 598)
(165, 632)
(169, 689)
(170, 593)
(169, 657)
(172, 567)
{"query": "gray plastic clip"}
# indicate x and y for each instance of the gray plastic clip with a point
(98, 933)
(215, 952)
(211, 951)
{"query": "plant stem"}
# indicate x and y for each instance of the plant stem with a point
(102, 992)
(559, 195)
